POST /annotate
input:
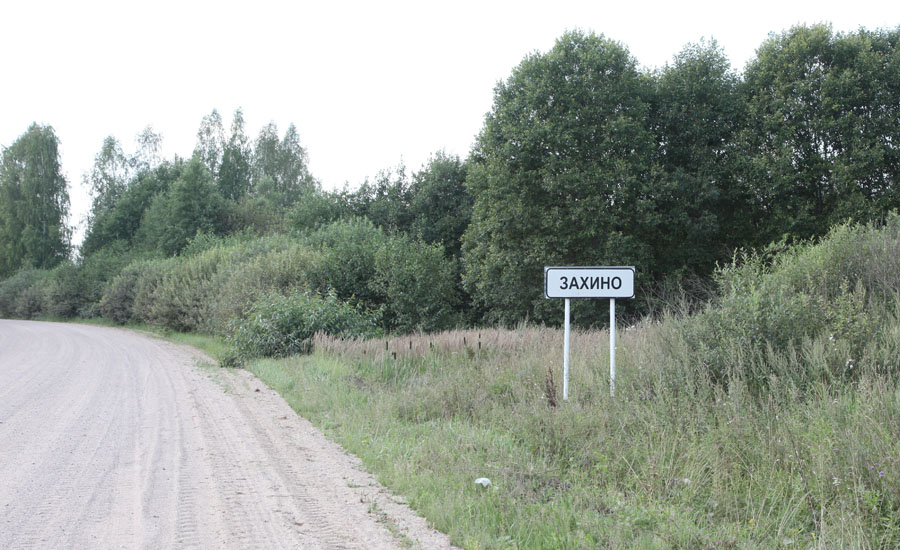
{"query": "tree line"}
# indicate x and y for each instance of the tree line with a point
(584, 159)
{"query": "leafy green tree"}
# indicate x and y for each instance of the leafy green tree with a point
(109, 176)
(121, 222)
(417, 283)
(386, 202)
(280, 166)
(705, 209)
(194, 206)
(822, 135)
(317, 208)
(149, 149)
(210, 146)
(234, 174)
(191, 205)
(34, 203)
(560, 174)
(440, 205)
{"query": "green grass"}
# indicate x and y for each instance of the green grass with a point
(670, 462)
(768, 417)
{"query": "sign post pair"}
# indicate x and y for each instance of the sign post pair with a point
(590, 282)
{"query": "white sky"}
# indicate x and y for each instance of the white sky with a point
(367, 84)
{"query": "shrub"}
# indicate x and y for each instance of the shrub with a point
(418, 283)
(413, 282)
(182, 296)
(12, 289)
(151, 274)
(348, 249)
(839, 289)
(65, 293)
(277, 326)
(279, 271)
(117, 302)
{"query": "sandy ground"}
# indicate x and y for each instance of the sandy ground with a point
(113, 439)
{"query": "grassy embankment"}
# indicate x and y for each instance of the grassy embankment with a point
(769, 419)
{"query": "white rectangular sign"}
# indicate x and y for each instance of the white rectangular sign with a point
(589, 282)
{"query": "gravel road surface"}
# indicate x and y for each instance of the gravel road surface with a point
(114, 439)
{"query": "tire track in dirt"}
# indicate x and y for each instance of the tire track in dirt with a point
(110, 438)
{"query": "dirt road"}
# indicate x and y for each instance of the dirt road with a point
(112, 439)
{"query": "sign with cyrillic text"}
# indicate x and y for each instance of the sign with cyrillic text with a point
(589, 282)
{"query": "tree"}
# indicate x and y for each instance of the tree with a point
(234, 174)
(704, 207)
(281, 165)
(823, 133)
(386, 201)
(193, 206)
(440, 205)
(109, 175)
(211, 142)
(149, 149)
(121, 221)
(34, 203)
(560, 174)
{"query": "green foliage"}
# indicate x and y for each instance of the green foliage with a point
(348, 249)
(277, 326)
(234, 174)
(822, 133)
(211, 143)
(65, 291)
(697, 114)
(182, 298)
(839, 290)
(150, 276)
(16, 296)
(34, 203)
(117, 302)
(560, 176)
(413, 282)
(280, 167)
(386, 202)
(440, 205)
(108, 177)
(418, 285)
(278, 271)
(317, 208)
(193, 206)
(123, 219)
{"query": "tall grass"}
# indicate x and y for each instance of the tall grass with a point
(769, 418)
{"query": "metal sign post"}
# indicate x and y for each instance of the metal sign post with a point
(566, 357)
(612, 347)
(590, 282)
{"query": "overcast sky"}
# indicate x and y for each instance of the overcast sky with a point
(367, 84)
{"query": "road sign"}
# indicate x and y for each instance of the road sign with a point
(589, 282)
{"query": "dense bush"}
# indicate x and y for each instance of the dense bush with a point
(418, 285)
(277, 271)
(277, 325)
(65, 292)
(11, 289)
(414, 282)
(840, 290)
(150, 276)
(181, 299)
(117, 302)
(348, 249)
